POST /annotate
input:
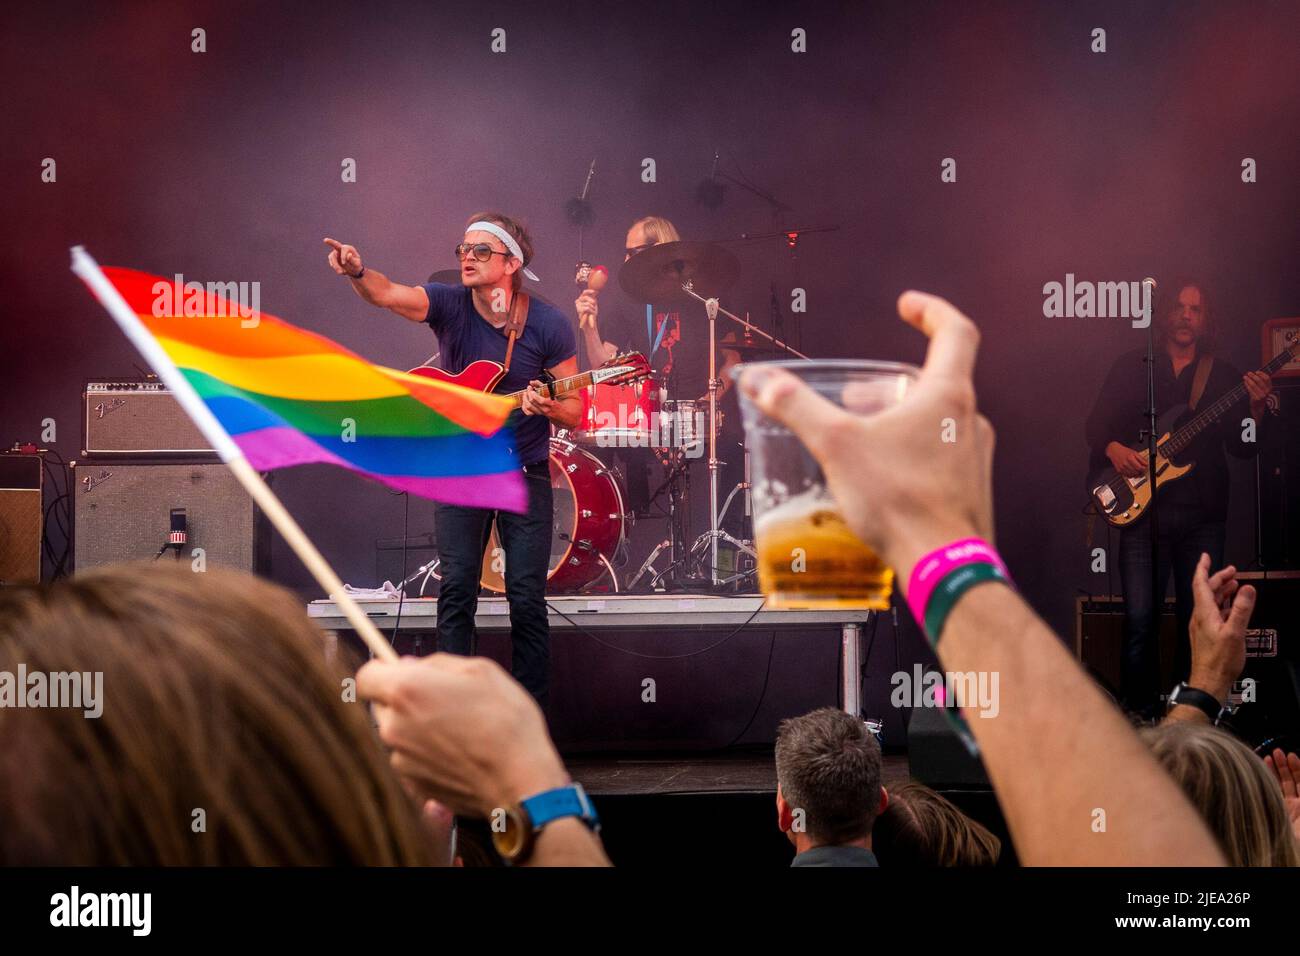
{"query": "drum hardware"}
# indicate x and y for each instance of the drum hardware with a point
(674, 272)
(649, 563)
(429, 570)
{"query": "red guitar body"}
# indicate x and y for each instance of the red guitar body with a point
(481, 375)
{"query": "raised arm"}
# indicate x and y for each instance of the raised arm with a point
(463, 732)
(1217, 633)
(409, 301)
(1075, 782)
(587, 306)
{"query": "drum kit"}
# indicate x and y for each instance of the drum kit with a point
(592, 520)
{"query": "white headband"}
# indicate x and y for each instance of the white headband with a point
(506, 238)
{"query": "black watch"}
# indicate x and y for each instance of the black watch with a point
(358, 275)
(1203, 701)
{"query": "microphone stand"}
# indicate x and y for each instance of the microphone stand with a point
(1157, 599)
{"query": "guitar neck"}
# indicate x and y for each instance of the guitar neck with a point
(1208, 416)
(570, 383)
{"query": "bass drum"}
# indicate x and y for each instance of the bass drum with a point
(589, 524)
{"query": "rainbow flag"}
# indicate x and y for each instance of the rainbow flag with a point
(290, 397)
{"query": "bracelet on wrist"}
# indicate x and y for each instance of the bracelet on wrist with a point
(358, 275)
(940, 578)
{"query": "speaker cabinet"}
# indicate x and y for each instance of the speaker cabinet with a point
(1099, 640)
(1268, 693)
(1279, 481)
(21, 518)
(936, 755)
(122, 512)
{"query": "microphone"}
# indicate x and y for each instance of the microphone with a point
(1149, 298)
(709, 192)
(578, 210)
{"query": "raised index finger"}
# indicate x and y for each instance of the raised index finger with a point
(954, 339)
(334, 244)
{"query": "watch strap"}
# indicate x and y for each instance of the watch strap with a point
(568, 801)
(1207, 703)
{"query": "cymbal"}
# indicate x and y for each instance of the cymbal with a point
(657, 274)
(750, 350)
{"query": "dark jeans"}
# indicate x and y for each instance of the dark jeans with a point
(526, 542)
(1184, 535)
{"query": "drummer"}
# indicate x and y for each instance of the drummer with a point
(680, 358)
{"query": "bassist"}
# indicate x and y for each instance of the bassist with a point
(1192, 510)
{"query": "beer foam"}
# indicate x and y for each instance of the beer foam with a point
(799, 508)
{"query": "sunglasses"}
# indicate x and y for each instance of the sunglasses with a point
(633, 250)
(481, 250)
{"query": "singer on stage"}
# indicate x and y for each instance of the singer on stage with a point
(470, 322)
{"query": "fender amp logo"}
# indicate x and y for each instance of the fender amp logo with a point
(112, 405)
(90, 482)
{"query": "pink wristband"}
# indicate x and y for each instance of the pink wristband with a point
(933, 567)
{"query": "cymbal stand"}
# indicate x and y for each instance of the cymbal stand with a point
(713, 310)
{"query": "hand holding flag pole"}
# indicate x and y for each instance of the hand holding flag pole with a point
(89, 271)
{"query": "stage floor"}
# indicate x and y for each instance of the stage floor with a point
(753, 771)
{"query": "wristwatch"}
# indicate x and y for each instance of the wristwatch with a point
(1203, 701)
(515, 841)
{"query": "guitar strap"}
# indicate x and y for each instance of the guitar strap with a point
(515, 322)
(1198, 381)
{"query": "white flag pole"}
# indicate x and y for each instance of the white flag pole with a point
(89, 271)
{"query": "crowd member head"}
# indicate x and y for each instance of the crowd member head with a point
(500, 262)
(1183, 309)
(649, 231)
(1231, 788)
(828, 791)
(922, 828)
(223, 736)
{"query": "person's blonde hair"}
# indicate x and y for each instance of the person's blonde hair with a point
(657, 229)
(1230, 788)
(217, 696)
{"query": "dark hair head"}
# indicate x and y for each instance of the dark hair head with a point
(224, 738)
(828, 765)
(1166, 304)
(922, 828)
(520, 234)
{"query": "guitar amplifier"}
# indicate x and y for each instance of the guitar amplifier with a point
(137, 418)
(122, 512)
(21, 524)
(1099, 640)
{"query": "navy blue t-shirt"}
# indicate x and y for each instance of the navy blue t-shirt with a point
(464, 336)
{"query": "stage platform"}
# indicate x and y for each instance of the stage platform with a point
(676, 614)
